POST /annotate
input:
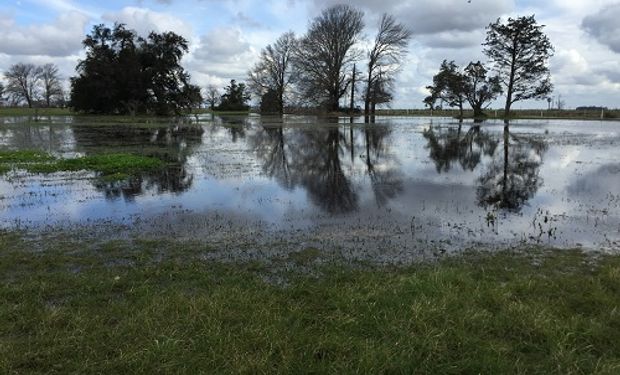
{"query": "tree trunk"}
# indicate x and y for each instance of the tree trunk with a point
(505, 177)
(367, 96)
(352, 91)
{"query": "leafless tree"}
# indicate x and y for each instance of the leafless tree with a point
(273, 70)
(325, 55)
(23, 82)
(50, 82)
(384, 60)
(212, 96)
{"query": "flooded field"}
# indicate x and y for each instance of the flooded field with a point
(395, 191)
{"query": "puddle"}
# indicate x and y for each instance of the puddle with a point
(392, 191)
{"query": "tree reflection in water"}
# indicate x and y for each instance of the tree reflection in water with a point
(513, 178)
(172, 144)
(386, 181)
(315, 160)
(452, 145)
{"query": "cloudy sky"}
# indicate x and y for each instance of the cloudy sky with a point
(226, 36)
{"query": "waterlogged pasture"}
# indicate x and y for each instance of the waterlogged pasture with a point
(396, 191)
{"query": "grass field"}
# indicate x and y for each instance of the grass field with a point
(68, 306)
(492, 114)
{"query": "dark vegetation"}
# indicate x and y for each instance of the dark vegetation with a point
(138, 307)
(519, 52)
(124, 73)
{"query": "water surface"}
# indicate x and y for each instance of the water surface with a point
(390, 191)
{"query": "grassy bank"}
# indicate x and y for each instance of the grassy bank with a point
(153, 307)
(108, 166)
(516, 114)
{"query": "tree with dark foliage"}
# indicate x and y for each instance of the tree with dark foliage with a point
(235, 97)
(127, 74)
(449, 86)
(471, 86)
(480, 90)
(520, 52)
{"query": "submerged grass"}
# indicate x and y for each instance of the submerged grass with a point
(70, 307)
(109, 166)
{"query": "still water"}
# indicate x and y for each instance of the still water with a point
(383, 191)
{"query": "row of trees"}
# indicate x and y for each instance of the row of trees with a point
(319, 68)
(33, 84)
(518, 51)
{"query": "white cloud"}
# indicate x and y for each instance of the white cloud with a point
(63, 37)
(221, 55)
(144, 20)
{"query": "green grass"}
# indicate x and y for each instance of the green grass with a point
(155, 307)
(108, 166)
(24, 156)
(24, 111)
(515, 114)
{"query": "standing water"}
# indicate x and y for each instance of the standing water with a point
(391, 191)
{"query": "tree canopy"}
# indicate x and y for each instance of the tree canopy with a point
(235, 97)
(127, 74)
(456, 87)
(520, 51)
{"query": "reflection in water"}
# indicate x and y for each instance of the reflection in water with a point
(171, 144)
(320, 171)
(386, 181)
(235, 125)
(357, 186)
(453, 145)
(513, 178)
(315, 160)
(271, 148)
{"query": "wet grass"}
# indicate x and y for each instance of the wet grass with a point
(154, 306)
(24, 111)
(109, 166)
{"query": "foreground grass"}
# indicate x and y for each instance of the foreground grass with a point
(109, 166)
(154, 307)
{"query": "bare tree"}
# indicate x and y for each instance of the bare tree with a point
(50, 82)
(384, 60)
(23, 82)
(212, 96)
(273, 70)
(325, 54)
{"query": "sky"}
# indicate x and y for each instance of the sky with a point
(226, 36)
